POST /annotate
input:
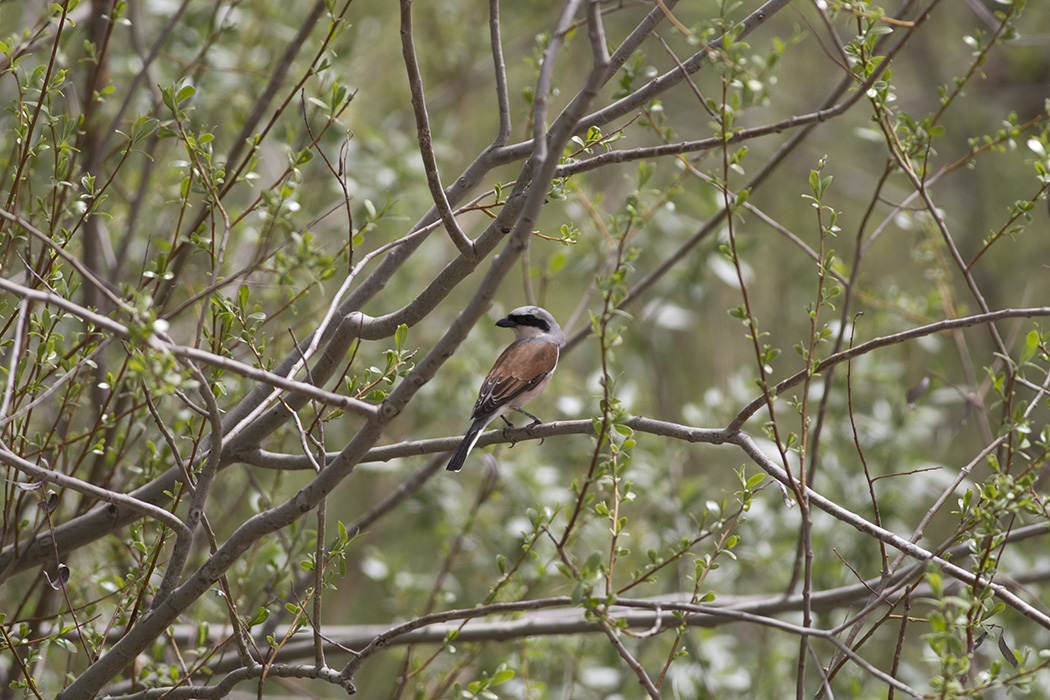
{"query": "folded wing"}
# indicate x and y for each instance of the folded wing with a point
(522, 366)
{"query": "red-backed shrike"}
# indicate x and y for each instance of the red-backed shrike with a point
(520, 374)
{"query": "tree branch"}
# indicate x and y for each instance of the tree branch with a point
(260, 375)
(426, 147)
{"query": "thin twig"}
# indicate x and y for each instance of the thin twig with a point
(192, 354)
(70, 482)
(426, 146)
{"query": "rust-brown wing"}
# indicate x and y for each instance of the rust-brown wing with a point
(521, 367)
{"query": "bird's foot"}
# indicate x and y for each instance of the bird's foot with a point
(531, 426)
(505, 436)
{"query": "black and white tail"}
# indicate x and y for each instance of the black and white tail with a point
(469, 440)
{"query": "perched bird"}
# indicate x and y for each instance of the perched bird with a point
(520, 374)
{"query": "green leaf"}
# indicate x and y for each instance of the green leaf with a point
(1031, 344)
(143, 127)
(185, 93)
(995, 610)
(502, 676)
(260, 616)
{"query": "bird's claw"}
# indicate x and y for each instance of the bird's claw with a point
(508, 438)
(531, 426)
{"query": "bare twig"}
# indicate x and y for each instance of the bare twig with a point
(201, 491)
(426, 146)
(502, 91)
(105, 495)
(864, 348)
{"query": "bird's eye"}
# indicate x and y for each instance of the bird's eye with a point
(538, 323)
